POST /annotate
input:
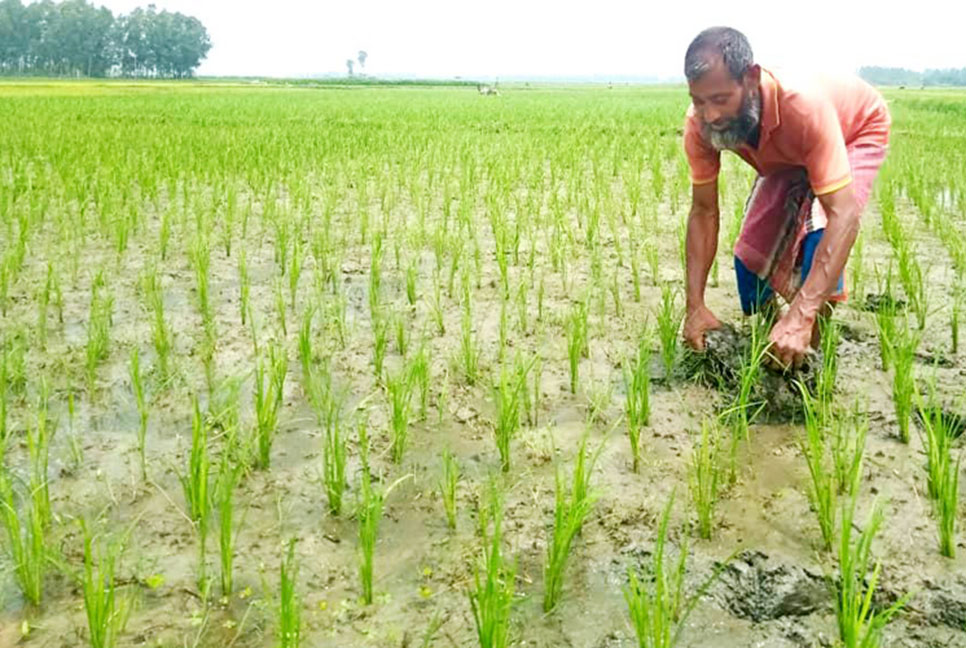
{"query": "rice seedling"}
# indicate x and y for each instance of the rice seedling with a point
(201, 260)
(244, 286)
(98, 329)
(508, 394)
(280, 307)
(668, 323)
(195, 484)
(492, 590)
(334, 464)
(289, 605)
(656, 600)
(447, 486)
(704, 478)
(380, 332)
(744, 409)
(295, 271)
(848, 445)
(902, 351)
(399, 390)
(822, 489)
(268, 401)
(412, 275)
(419, 371)
(26, 539)
(947, 505)
(577, 342)
(860, 624)
(469, 354)
(912, 280)
(936, 440)
(137, 385)
(956, 315)
(107, 609)
(229, 472)
(830, 332)
(637, 384)
(401, 333)
(570, 512)
(160, 331)
(857, 266)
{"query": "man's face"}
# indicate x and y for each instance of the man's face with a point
(729, 110)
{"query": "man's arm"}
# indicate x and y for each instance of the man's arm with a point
(702, 245)
(793, 333)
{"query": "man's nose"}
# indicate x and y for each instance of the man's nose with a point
(711, 115)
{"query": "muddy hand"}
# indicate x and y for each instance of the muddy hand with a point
(697, 322)
(790, 342)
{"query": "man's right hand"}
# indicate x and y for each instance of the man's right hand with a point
(698, 321)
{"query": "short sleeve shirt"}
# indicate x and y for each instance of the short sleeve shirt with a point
(809, 124)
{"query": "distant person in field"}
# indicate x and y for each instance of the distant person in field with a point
(816, 145)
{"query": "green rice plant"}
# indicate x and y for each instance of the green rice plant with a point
(947, 505)
(107, 610)
(201, 260)
(137, 385)
(848, 446)
(656, 600)
(668, 323)
(570, 512)
(280, 306)
(447, 486)
(857, 267)
(289, 605)
(160, 331)
(508, 394)
(412, 275)
(295, 270)
(577, 341)
(903, 349)
(98, 329)
(401, 333)
(885, 322)
(375, 276)
(704, 477)
(469, 353)
(956, 315)
(38, 453)
(369, 513)
(860, 624)
(26, 539)
(268, 401)
(830, 331)
(244, 286)
(195, 484)
(4, 383)
(229, 472)
(637, 384)
(436, 308)
(399, 390)
(380, 332)
(419, 371)
(492, 590)
(936, 440)
(334, 464)
(822, 489)
(744, 408)
(913, 283)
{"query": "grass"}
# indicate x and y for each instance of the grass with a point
(137, 385)
(289, 606)
(668, 323)
(447, 486)
(570, 511)
(704, 478)
(492, 590)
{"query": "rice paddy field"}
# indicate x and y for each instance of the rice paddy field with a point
(401, 366)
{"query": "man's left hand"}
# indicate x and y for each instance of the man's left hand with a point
(790, 340)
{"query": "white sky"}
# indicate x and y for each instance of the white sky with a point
(489, 38)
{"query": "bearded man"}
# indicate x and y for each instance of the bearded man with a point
(816, 145)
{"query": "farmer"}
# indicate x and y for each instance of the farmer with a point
(816, 146)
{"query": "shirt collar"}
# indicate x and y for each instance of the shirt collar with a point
(770, 117)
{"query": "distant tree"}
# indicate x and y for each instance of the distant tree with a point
(362, 56)
(75, 38)
(349, 63)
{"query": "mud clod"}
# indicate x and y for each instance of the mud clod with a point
(758, 588)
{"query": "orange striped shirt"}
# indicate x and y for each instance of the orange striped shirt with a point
(803, 124)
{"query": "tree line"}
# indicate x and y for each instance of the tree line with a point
(902, 77)
(74, 38)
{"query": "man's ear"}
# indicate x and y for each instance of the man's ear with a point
(753, 76)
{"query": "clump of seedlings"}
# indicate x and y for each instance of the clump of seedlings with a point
(902, 352)
(106, 605)
(704, 478)
(447, 486)
(493, 585)
(637, 383)
(668, 323)
(577, 343)
(570, 511)
(289, 605)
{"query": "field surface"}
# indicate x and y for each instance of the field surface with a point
(300, 305)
